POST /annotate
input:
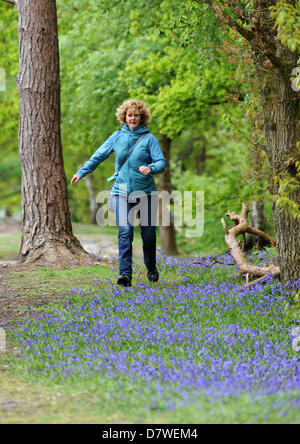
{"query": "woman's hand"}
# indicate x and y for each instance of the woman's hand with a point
(144, 170)
(75, 179)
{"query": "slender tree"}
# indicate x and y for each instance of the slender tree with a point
(167, 233)
(46, 225)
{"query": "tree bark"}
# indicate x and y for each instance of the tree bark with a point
(46, 226)
(281, 122)
(92, 199)
(257, 220)
(8, 213)
(167, 233)
(274, 64)
(200, 158)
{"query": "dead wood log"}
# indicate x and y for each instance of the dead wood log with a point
(214, 261)
(240, 227)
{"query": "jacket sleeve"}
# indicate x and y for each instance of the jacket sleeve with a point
(102, 153)
(158, 159)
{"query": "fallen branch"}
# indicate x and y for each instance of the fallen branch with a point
(215, 261)
(257, 281)
(241, 226)
(13, 2)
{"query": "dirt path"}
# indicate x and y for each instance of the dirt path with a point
(23, 286)
(18, 291)
(16, 294)
(91, 243)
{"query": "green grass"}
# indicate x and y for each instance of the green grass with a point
(98, 403)
(208, 244)
(9, 247)
(49, 280)
(93, 230)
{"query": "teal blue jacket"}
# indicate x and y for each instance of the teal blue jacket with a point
(147, 152)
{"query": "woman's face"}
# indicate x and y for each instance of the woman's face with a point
(133, 118)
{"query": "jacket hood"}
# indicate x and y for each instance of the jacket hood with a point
(139, 130)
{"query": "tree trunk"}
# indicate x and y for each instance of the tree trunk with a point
(257, 220)
(200, 158)
(281, 142)
(281, 121)
(274, 65)
(46, 226)
(167, 234)
(92, 199)
(8, 212)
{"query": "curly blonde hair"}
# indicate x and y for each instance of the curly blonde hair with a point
(134, 105)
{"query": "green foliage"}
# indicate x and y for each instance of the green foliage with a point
(170, 54)
(287, 20)
(226, 184)
(287, 185)
(9, 38)
(91, 89)
(10, 179)
(179, 85)
(10, 175)
(176, 71)
(292, 306)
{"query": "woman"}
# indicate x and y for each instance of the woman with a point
(135, 178)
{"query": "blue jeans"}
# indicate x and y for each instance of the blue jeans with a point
(125, 212)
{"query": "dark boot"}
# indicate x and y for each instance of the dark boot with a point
(124, 280)
(153, 275)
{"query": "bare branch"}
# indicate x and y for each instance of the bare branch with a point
(224, 225)
(266, 45)
(224, 18)
(241, 226)
(257, 281)
(215, 261)
(13, 2)
(247, 279)
(262, 234)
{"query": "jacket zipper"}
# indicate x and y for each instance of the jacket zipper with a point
(129, 164)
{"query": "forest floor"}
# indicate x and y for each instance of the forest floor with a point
(37, 286)
(28, 285)
(23, 286)
(46, 311)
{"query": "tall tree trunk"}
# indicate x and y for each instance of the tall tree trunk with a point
(46, 226)
(281, 120)
(168, 233)
(200, 158)
(281, 106)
